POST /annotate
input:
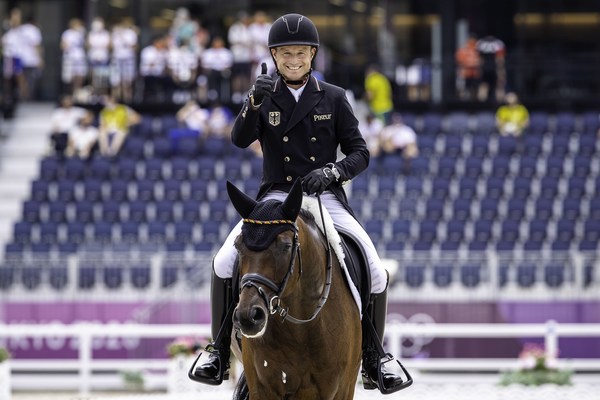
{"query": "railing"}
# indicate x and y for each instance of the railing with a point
(86, 365)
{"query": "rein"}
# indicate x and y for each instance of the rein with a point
(274, 302)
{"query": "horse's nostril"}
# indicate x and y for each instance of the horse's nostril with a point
(257, 315)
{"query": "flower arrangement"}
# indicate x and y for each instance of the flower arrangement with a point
(4, 354)
(537, 367)
(186, 346)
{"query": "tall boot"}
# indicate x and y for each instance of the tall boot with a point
(216, 368)
(371, 366)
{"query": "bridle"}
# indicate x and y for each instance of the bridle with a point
(273, 302)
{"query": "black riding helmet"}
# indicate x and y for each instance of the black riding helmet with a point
(293, 30)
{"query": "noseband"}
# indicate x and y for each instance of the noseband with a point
(273, 302)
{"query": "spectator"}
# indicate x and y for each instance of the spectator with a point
(468, 61)
(220, 121)
(74, 68)
(62, 120)
(115, 122)
(371, 129)
(124, 42)
(492, 51)
(32, 57)
(183, 69)
(193, 122)
(12, 43)
(259, 34)
(378, 91)
(418, 80)
(513, 117)
(399, 138)
(216, 64)
(153, 69)
(83, 137)
(98, 47)
(184, 30)
(240, 44)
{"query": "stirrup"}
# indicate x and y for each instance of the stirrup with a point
(223, 368)
(370, 384)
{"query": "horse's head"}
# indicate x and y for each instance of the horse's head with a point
(267, 248)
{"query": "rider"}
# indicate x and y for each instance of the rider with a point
(299, 122)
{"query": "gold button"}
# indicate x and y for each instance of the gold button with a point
(313, 139)
(289, 179)
(286, 159)
(285, 139)
(312, 158)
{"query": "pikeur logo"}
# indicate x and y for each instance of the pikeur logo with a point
(322, 117)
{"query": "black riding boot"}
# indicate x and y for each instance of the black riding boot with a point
(376, 312)
(216, 369)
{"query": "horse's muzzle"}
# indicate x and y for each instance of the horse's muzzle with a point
(251, 320)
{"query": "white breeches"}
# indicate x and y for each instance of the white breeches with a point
(225, 258)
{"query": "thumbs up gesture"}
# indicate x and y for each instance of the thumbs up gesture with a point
(262, 88)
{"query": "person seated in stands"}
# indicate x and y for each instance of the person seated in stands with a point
(83, 137)
(115, 122)
(63, 119)
(193, 122)
(399, 138)
(220, 121)
(512, 118)
(371, 129)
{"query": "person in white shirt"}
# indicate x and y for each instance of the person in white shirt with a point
(153, 69)
(31, 56)
(183, 69)
(124, 42)
(371, 128)
(74, 68)
(62, 120)
(259, 34)
(12, 44)
(216, 63)
(98, 46)
(220, 121)
(240, 44)
(83, 137)
(399, 138)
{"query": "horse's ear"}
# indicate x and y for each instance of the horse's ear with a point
(292, 204)
(243, 203)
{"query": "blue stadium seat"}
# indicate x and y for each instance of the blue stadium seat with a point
(509, 231)
(164, 211)
(473, 166)
(57, 212)
(7, 277)
(137, 211)
(507, 145)
(461, 210)
(565, 229)
(500, 166)
(538, 123)
(380, 208)
(427, 230)
(374, 229)
(482, 230)
(360, 187)
(532, 145)
(58, 276)
(480, 145)
(582, 165)
(133, 147)
(450, 245)
(161, 148)
(544, 208)
(140, 276)
(485, 122)
(110, 211)
(50, 168)
(442, 274)
(526, 274)
(488, 208)
(527, 167)
(455, 230)
(571, 208)
(453, 146)
(76, 232)
(206, 167)
(233, 167)
(494, 187)
(554, 275)
(554, 166)
(157, 232)
(587, 145)
(440, 188)
(145, 190)
(118, 190)
(426, 144)
(515, 209)
(187, 147)
(92, 190)
(419, 166)
(48, 232)
(413, 187)
(521, 187)
(390, 164)
(467, 188)
(470, 275)
(65, 190)
(478, 245)
(401, 230)
(565, 123)
(549, 187)
(31, 277)
(31, 211)
(113, 276)
(560, 145)
(74, 168)
(432, 123)
(414, 275)
(458, 123)
(190, 210)
(153, 169)
(215, 146)
(434, 209)
(407, 208)
(211, 231)
(100, 168)
(126, 168)
(183, 231)
(446, 167)
(180, 169)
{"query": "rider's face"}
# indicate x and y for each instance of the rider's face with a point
(293, 62)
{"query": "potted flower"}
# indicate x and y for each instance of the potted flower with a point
(182, 352)
(537, 367)
(5, 388)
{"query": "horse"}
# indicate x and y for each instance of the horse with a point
(297, 324)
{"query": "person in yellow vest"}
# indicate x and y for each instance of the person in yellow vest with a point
(378, 91)
(512, 118)
(115, 121)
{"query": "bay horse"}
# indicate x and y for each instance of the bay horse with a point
(299, 325)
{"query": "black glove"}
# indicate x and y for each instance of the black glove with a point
(315, 182)
(262, 88)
